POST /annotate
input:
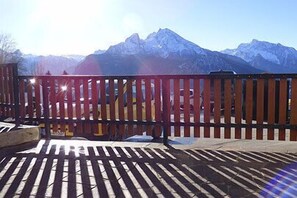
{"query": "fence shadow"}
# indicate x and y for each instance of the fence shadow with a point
(77, 170)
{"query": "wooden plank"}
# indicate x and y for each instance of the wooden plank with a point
(217, 106)
(187, 107)
(86, 99)
(249, 107)
(176, 105)
(166, 109)
(148, 105)
(121, 106)
(95, 101)
(282, 107)
(197, 101)
(238, 107)
(112, 127)
(6, 91)
(103, 105)
(77, 99)
(86, 95)
(37, 87)
(77, 111)
(22, 99)
(139, 106)
(293, 120)
(130, 106)
(10, 90)
(30, 99)
(70, 98)
(1, 91)
(158, 128)
(61, 96)
(70, 103)
(271, 107)
(260, 107)
(53, 102)
(228, 97)
(206, 103)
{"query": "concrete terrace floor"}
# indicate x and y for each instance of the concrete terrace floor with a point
(136, 168)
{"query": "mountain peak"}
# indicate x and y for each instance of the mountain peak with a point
(134, 38)
(263, 52)
(161, 43)
(255, 41)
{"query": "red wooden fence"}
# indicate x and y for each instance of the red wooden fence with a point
(261, 106)
(8, 92)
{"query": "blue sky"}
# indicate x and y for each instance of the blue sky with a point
(83, 26)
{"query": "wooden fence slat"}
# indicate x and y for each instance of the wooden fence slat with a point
(86, 99)
(166, 109)
(61, 97)
(176, 106)
(148, 105)
(217, 106)
(228, 97)
(197, 101)
(38, 103)
(77, 99)
(271, 107)
(130, 106)
(7, 92)
(187, 107)
(238, 107)
(86, 96)
(249, 107)
(293, 116)
(139, 105)
(70, 102)
(10, 90)
(158, 128)
(53, 103)
(260, 107)
(103, 105)
(112, 127)
(1, 91)
(22, 99)
(206, 103)
(30, 99)
(94, 103)
(282, 107)
(70, 98)
(121, 107)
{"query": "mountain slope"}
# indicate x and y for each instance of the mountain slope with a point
(39, 65)
(162, 52)
(270, 57)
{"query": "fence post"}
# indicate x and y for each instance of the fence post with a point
(16, 94)
(166, 110)
(46, 108)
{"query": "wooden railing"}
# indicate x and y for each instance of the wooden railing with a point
(262, 106)
(8, 92)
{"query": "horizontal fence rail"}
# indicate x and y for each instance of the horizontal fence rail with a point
(230, 106)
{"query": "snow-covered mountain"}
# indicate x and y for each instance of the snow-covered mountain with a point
(161, 43)
(162, 52)
(270, 57)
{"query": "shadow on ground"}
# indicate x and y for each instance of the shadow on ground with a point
(78, 170)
